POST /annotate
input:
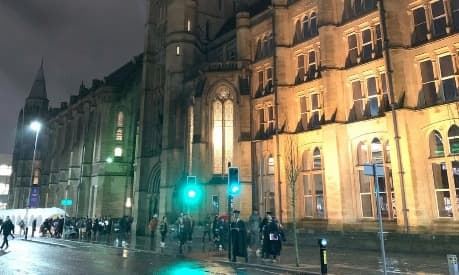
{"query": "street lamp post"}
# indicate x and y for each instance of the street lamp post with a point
(35, 126)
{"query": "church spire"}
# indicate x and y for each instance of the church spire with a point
(39, 85)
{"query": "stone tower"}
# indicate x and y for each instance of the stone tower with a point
(36, 108)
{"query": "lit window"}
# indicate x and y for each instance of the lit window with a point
(271, 165)
(367, 184)
(188, 25)
(36, 176)
(178, 50)
(119, 134)
(222, 130)
(118, 152)
(313, 187)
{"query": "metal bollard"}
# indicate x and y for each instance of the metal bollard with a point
(452, 264)
(323, 255)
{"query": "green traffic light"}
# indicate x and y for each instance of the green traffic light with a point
(191, 194)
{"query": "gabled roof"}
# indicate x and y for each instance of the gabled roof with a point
(39, 85)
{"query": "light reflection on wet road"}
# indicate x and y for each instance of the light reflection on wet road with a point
(34, 258)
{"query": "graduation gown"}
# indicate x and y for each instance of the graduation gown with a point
(239, 238)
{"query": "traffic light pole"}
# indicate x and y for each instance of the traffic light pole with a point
(230, 199)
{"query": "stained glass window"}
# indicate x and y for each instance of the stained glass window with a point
(223, 123)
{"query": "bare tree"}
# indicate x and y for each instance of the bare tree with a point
(292, 169)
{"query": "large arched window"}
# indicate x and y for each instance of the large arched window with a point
(378, 154)
(313, 185)
(436, 144)
(453, 138)
(222, 129)
(445, 172)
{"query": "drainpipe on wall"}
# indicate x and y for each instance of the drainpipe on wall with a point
(387, 60)
(276, 111)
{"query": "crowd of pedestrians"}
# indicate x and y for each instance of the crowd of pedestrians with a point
(85, 228)
(262, 236)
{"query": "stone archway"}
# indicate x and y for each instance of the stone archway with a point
(154, 181)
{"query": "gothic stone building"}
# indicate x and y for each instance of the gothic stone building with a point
(323, 87)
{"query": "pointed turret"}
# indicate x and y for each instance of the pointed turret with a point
(39, 85)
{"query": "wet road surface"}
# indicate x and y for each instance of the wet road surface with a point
(25, 257)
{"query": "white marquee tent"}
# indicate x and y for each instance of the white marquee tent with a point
(16, 215)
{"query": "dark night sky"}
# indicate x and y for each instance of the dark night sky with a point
(79, 40)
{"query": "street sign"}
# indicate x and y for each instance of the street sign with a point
(66, 202)
(378, 170)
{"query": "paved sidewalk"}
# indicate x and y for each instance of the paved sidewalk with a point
(340, 261)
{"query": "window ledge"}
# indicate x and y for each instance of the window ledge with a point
(445, 220)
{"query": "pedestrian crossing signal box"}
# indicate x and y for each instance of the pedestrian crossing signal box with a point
(234, 185)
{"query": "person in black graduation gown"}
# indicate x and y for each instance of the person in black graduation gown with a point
(238, 237)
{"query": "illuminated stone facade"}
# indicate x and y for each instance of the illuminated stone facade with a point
(234, 81)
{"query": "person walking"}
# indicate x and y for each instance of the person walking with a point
(181, 232)
(163, 227)
(21, 228)
(275, 235)
(238, 237)
(207, 228)
(265, 244)
(34, 227)
(7, 229)
(152, 226)
(189, 225)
